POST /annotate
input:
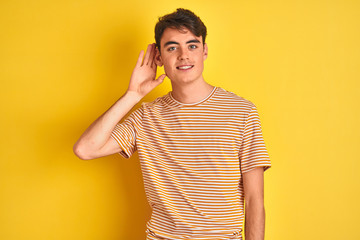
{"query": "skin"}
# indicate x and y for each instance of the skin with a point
(253, 183)
(177, 48)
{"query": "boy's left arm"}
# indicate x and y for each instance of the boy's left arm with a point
(253, 183)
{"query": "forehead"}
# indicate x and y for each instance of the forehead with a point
(180, 36)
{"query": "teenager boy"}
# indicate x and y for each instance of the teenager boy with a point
(200, 146)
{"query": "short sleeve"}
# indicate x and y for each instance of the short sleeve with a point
(125, 133)
(253, 152)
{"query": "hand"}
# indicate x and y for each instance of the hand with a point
(142, 79)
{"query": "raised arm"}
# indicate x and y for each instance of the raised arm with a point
(96, 142)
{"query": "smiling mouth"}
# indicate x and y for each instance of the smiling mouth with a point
(185, 67)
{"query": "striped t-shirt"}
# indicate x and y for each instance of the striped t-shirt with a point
(192, 157)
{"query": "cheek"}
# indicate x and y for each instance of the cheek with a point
(168, 65)
(168, 69)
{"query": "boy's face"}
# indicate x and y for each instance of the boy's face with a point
(182, 54)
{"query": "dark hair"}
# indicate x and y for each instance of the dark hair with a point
(179, 19)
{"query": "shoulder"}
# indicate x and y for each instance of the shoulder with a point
(234, 99)
(156, 103)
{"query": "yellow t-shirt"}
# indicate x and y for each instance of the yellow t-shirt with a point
(192, 157)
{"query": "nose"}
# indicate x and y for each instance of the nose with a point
(183, 54)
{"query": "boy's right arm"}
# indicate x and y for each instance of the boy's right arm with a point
(96, 142)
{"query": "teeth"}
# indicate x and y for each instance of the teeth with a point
(185, 67)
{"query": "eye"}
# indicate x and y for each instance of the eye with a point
(171, 48)
(193, 46)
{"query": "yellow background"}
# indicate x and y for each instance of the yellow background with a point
(63, 63)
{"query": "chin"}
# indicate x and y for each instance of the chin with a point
(184, 80)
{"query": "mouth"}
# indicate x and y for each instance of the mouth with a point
(185, 67)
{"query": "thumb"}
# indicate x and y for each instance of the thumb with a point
(160, 79)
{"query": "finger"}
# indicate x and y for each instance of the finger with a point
(160, 79)
(146, 58)
(138, 63)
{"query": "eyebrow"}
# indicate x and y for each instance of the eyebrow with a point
(172, 42)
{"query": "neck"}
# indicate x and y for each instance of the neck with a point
(192, 92)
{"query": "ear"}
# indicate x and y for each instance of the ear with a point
(205, 51)
(158, 58)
